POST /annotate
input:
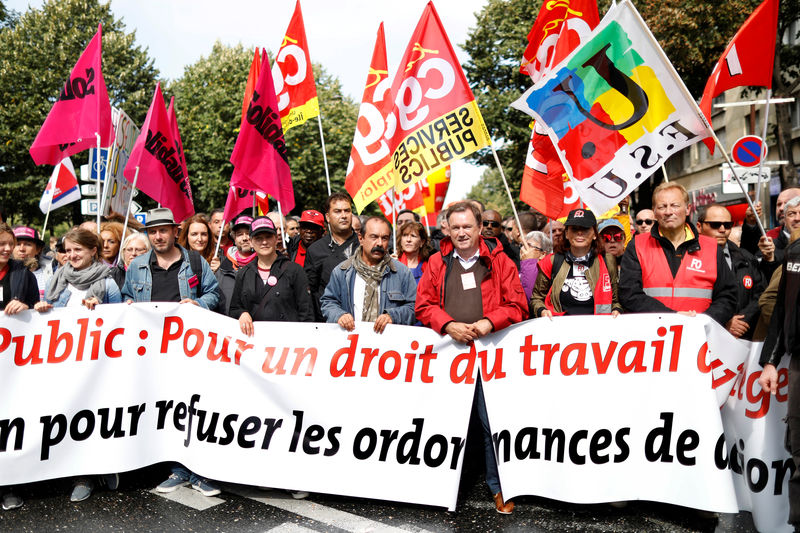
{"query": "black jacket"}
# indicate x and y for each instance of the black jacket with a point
(784, 327)
(286, 301)
(750, 283)
(631, 292)
(22, 283)
(321, 258)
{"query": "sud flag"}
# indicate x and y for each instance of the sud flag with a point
(81, 111)
(161, 174)
(293, 75)
(558, 30)
(176, 136)
(259, 158)
(62, 188)
(748, 59)
(370, 167)
(615, 109)
(434, 118)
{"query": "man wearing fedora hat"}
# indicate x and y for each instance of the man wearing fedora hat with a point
(170, 273)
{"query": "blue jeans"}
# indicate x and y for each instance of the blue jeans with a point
(492, 476)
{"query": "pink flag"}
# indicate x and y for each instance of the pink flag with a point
(239, 200)
(81, 111)
(176, 137)
(259, 157)
(160, 171)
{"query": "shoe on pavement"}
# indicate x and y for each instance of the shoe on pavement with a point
(110, 480)
(172, 483)
(11, 501)
(502, 507)
(205, 487)
(81, 490)
(299, 494)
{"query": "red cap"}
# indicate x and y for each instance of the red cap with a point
(313, 217)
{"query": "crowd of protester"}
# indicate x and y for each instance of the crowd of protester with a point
(474, 273)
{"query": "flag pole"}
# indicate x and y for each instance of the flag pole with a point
(219, 238)
(394, 220)
(324, 154)
(689, 98)
(49, 204)
(99, 161)
(280, 214)
(764, 141)
(128, 213)
(508, 191)
(664, 171)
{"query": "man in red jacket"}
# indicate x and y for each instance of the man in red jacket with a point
(470, 289)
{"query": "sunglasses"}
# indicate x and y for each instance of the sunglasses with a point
(641, 221)
(716, 224)
(613, 237)
(490, 224)
(507, 228)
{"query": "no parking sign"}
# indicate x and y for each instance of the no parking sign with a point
(749, 151)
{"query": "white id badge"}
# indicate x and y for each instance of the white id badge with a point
(1, 293)
(468, 281)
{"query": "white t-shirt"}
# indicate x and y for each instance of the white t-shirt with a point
(76, 296)
(359, 288)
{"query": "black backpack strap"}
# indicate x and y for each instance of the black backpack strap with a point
(196, 265)
(558, 260)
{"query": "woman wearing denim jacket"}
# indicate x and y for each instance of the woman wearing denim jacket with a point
(83, 280)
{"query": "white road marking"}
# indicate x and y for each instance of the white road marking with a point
(191, 498)
(290, 527)
(315, 511)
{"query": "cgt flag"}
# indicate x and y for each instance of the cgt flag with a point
(259, 157)
(370, 167)
(62, 188)
(161, 175)
(615, 109)
(293, 75)
(434, 119)
(748, 59)
(81, 111)
(558, 30)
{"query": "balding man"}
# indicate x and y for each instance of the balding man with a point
(779, 235)
(644, 220)
(715, 222)
(492, 228)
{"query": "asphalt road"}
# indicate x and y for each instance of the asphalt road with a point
(135, 507)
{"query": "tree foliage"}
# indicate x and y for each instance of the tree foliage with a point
(209, 101)
(37, 53)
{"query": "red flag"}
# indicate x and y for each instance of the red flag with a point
(293, 75)
(426, 197)
(748, 59)
(81, 111)
(259, 157)
(434, 119)
(557, 31)
(176, 137)
(370, 167)
(161, 174)
(252, 78)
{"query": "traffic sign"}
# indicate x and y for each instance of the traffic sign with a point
(748, 176)
(749, 151)
(89, 207)
(141, 217)
(89, 189)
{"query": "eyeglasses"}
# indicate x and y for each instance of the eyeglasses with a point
(506, 228)
(613, 237)
(490, 224)
(641, 221)
(715, 224)
(537, 248)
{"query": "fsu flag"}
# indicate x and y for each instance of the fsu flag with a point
(434, 118)
(62, 188)
(294, 77)
(615, 109)
(370, 167)
(161, 174)
(259, 157)
(748, 59)
(176, 137)
(81, 111)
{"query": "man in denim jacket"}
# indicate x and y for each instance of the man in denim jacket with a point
(166, 275)
(370, 286)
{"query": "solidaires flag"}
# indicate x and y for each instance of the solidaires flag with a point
(615, 109)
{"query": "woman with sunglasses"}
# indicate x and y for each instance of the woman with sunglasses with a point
(612, 237)
(577, 279)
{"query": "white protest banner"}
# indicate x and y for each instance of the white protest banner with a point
(596, 409)
(313, 407)
(297, 406)
(753, 447)
(117, 190)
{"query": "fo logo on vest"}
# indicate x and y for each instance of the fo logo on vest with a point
(696, 265)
